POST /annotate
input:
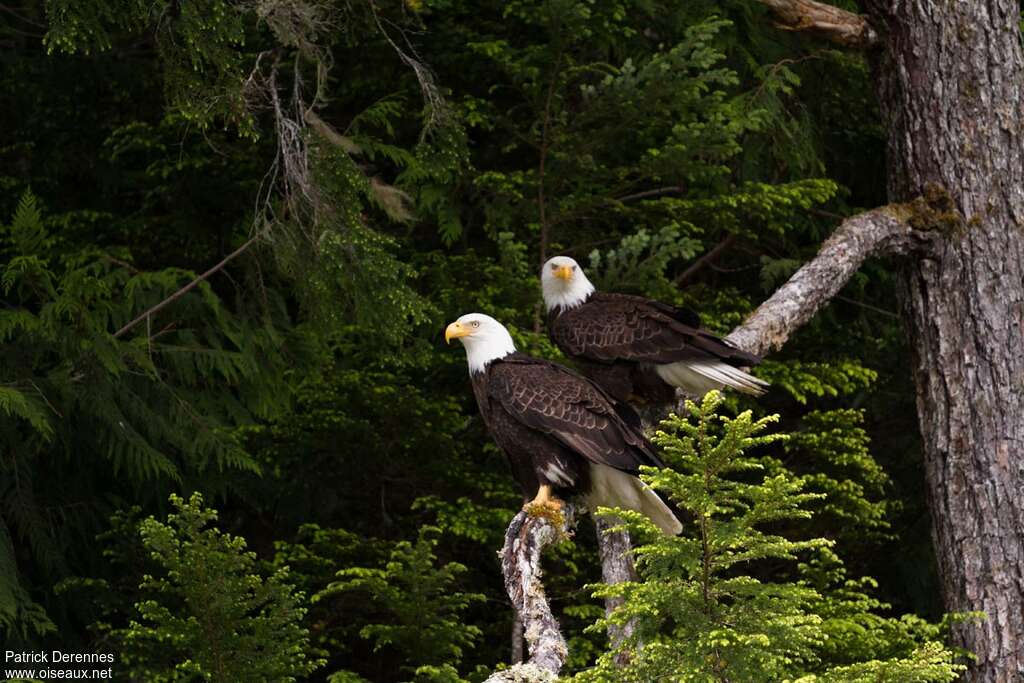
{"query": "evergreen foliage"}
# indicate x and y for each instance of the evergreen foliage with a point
(701, 610)
(207, 614)
(422, 613)
(155, 404)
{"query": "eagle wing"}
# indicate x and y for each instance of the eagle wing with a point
(610, 327)
(569, 408)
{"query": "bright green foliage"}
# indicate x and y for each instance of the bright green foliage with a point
(859, 637)
(210, 615)
(698, 618)
(805, 379)
(929, 663)
(831, 451)
(422, 605)
(712, 604)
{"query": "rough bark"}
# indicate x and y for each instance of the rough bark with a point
(824, 21)
(949, 78)
(525, 541)
(949, 82)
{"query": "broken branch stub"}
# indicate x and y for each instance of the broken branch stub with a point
(825, 21)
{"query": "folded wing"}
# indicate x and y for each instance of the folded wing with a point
(569, 408)
(621, 327)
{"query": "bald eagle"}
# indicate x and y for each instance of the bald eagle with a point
(634, 347)
(562, 434)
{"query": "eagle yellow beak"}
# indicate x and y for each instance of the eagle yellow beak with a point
(564, 273)
(454, 331)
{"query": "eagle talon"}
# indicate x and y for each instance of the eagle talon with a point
(550, 510)
(537, 508)
(546, 506)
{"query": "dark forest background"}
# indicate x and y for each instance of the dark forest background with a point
(400, 164)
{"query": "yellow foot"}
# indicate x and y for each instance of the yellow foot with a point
(548, 508)
(553, 504)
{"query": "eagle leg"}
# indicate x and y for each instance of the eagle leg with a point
(545, 505)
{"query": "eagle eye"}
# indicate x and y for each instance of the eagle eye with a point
(475, 323)
(554, 266)
(574, 268)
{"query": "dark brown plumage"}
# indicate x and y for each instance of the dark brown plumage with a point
(619, 341)
(542, 415)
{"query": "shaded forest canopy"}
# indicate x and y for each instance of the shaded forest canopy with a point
(400, 165)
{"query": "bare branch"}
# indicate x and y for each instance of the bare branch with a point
(525, 540)
(886, 230)
(705, 260)
(825, 21)
(152, 310)
(649, 194)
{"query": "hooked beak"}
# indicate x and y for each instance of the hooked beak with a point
(564, 273)
(454, 331)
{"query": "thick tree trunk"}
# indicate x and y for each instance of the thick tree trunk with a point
(950, 78)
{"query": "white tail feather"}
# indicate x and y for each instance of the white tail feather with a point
(612, 488)
(700, 377)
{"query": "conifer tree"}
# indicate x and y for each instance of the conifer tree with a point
(208, 613)
(421, 606)
(713, 604)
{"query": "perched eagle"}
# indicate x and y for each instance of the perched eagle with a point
(562, 434)
(635, 347)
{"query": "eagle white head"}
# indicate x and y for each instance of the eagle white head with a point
(564, 283)
(484, 337)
